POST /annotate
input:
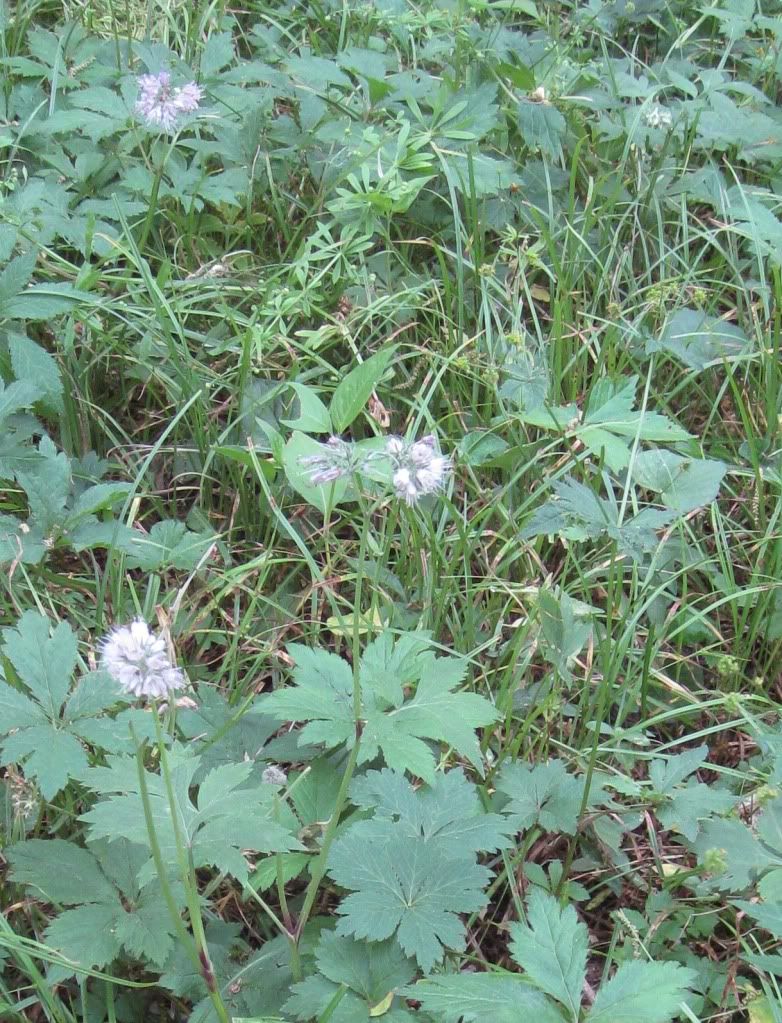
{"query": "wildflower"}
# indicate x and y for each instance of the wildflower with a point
(138, 661)
(418, 468)
(160, 105)
(274, 775)
(658, 117)
(336, 460)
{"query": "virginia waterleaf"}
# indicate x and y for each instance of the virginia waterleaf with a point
(398, 728)
(217, 828)
(552, 948)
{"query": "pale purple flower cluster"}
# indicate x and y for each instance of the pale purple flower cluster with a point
(160, 104)
(418, 467)
(338, 459)
(138, 661)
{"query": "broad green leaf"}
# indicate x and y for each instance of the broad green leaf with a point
(42, 301)
(47, 483)
(397, 727)
(354, 391)
(87, 935)
(33, 363)
(61, 871)
(732, 843)
(406, 887)
(699, 340)
(18, 395)
(566, 626)
(542, 127)
(321, 497)
(218, 827)
(666, 772)
(169, 544)
(482, 997)
(372, 970)
(50, 755)
(543, 794)
(316, 997)
(448, 812)
(767, 915)
(642, 992)
(687, 806)
(44, 656)
(369, 971)
(15, 277)
(769, 825)
(552, 948)
(696, 485)
(611, 423)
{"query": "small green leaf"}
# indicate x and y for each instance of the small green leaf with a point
(543, 794)
(482, 997)
(313, 415)
(552, 948)
(353, 392)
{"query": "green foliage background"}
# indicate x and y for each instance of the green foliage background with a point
(530, 728)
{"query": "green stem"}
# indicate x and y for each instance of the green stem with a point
(187, 873)
(319, 867)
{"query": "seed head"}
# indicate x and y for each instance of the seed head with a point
(160, 104)
(138, 661)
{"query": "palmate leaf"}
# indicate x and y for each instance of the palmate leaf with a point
(611, 423)
(448, 812)
(406, 887)
(481, 997)
(216, 829)
(109, 911)
(577, 513)
(40, 723)
(397, 728)
(642, 992)
(543, 794)
(371, 972)
(552, 949)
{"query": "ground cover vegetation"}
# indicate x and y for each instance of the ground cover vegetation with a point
(390, 542)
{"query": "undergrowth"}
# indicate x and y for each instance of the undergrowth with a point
(390, 410)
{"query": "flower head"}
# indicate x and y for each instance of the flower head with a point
(418, 468)
(274, 775)
(658, 117)
(338, 459)
(138, 661)
(160, 104)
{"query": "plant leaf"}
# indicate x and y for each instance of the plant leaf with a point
(552, 948)
(642, 993)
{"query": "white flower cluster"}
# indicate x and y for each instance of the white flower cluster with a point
(418, 467)
(274, 775)
(160, 104)
(138, 661)
(658, 117)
